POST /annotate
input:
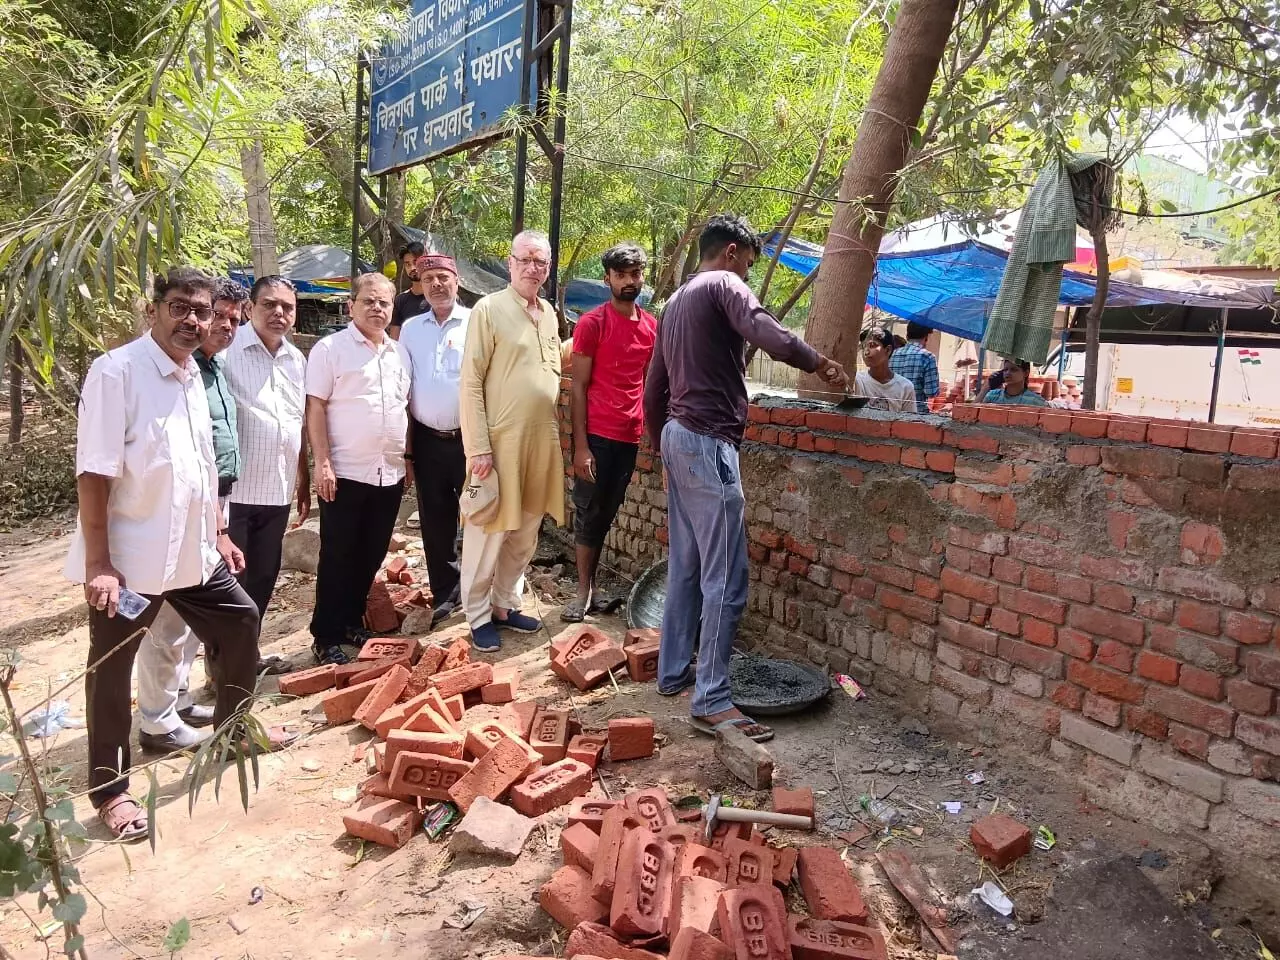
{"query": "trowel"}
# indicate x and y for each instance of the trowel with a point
(851, 402)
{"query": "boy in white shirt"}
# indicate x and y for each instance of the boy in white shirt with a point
(887, 390)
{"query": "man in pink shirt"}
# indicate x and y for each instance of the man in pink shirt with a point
(612, 345)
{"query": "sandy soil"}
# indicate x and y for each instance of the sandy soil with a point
(327, 895)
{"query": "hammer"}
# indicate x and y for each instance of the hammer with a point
(714, 814)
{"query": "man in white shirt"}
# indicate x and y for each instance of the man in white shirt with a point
(357, 392)
(432, 343)
(267, 377)
(887, 390)
(147, 485)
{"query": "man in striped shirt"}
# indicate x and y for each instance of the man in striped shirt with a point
(267, 376)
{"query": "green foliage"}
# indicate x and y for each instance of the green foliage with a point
(178, 937)
(37, 478)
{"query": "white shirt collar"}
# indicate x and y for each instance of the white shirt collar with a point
(166, 364)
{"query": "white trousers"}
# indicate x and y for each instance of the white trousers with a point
(164, 669)
(493, 566)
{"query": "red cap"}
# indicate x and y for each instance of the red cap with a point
(437, 261)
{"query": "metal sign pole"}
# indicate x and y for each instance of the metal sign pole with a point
(356, 164)
(1217, 367)
(522, 138)
(557, 155)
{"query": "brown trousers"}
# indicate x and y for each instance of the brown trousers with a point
(219, 613)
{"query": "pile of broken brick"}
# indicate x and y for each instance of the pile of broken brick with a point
(641, 879)
(414, 697)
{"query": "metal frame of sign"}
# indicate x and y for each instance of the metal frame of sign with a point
(545, 48)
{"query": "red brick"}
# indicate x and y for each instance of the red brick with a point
(1155, 666)
(1128, 429)
(928, 588)
(492, 776)
(589, 669)
(689, 943)
(590, 812)
(551, 787)
(830, 422)
(341, 705)
(1263, 669)
(831, 940)
(916, 431)
(567, 898)
(1114, 597)
(1038, 632)
(441, 744)
(1107, 623)
(993, 543)
(630, 738)
(1146, 722)
(518, 716)
(1075, 644)
(642, 889)
(1249, 698)
(426, 719)
(428, 664)
(1249, 629)
(1045, 662)
(577, 640)
(696, 860)
(383, 695)
(425, 774)
(967, 635)
(992, 472)
(1005, 622)
(724, 831)
(1034, 604)
(382, 648)
(747, 862)
(1084, 456)
(459, 680)
(828, 887)
(389, 823)
(1207, 652)
(1167, 434)
(784, 866)
(965, 413)
(306, 682)
(1200, 617)
(1102, 709)
(1253, 443)
(984, 591)
(1116, 655)
(549, 734)
(506, 681)
(1264, 734)
(1118, 569)
(642, 661)
(941, 461)
(595, 940)
(798, 801)
(482, 737)
(1194, 743)
(587, 748)
(1201, 585)
(1008, 570)
(380, 610)
(1000, 839)
(1212, 717)
(651, 807)
(379, 785)
(1201, 682)
(1117, 686)
(1074, 588)
(639, 636)
(754, 920)
(615, 825)
(374, 669)
(1210, 437)
(1066, 695)
(860, 426)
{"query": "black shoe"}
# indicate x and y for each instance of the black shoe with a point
(329, 653)
(443, 612)
(197, 715)
(358, 638)
(184, 738)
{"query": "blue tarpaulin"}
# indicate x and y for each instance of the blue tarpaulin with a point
(953, 287)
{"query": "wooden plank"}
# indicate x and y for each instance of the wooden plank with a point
(911, 883)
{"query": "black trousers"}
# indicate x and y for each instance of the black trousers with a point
(439, 472)
(259, 531)
(595, 505)
(225, 620)
(355, 528)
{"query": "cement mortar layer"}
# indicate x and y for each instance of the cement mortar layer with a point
(1098, 591)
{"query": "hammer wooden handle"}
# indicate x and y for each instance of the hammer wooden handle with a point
(738, 815)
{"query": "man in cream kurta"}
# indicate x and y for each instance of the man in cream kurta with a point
(509, 391)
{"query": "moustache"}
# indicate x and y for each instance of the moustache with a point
(629, 293)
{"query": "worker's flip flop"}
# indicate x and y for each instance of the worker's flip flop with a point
(702, 726)
(605, 604)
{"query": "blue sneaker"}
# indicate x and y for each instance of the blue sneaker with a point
(486, 638)
(518, 622)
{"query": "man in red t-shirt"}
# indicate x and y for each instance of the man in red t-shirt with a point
(612, 345)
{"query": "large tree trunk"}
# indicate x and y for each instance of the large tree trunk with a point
(262, 222)
(1093, 322)
(915, 48)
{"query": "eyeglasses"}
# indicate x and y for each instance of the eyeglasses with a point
(180, 310)
(371, 302)
(536, 262)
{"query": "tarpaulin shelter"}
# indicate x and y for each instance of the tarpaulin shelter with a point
(317, 269)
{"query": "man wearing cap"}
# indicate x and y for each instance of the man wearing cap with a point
(432, 343)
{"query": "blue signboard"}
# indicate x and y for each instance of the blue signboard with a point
(444, 80)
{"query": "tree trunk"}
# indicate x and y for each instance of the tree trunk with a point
(1093, 323)
(916, 44)
(262, 222)
(15, 392)
(390, 239)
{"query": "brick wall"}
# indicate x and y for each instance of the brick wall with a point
(1102, 590)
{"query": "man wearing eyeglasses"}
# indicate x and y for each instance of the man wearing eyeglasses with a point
(510, 388)
(147, 480)
(267, 376)
(169, 717)
(357, 420)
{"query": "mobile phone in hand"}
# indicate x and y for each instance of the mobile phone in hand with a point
(131, 604)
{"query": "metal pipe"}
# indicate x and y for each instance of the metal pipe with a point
(522, 139)
(355, 168)
(557, 156)
(1217, 367)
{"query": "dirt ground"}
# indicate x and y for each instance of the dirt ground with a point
(327, 895)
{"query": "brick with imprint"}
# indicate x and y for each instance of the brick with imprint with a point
(617, 822)
(638, 636)
(588, 748)
(590, 669)
(482, 736)
(575, 641)
(590, 812)
(723, 830)
(652, 807)
(680, 835)
(492, 776)
(642, 891)
(455, 707)
(551, 787)
(696, 860)
(396, 648)
(813, 939)
(747, 862)
(463, 679)
(426, 774)
(693, 903)
(691, 944)
(754, 920)
(828, 887)
(784, 865)
(549, 733)
(642, 661)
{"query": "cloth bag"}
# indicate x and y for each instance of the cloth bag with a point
(479, 501)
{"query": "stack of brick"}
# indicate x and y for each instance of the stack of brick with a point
(415, 697)
(640, 878)
(585, 656)
(393, 597)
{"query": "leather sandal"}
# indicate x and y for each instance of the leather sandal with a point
(125, 817)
